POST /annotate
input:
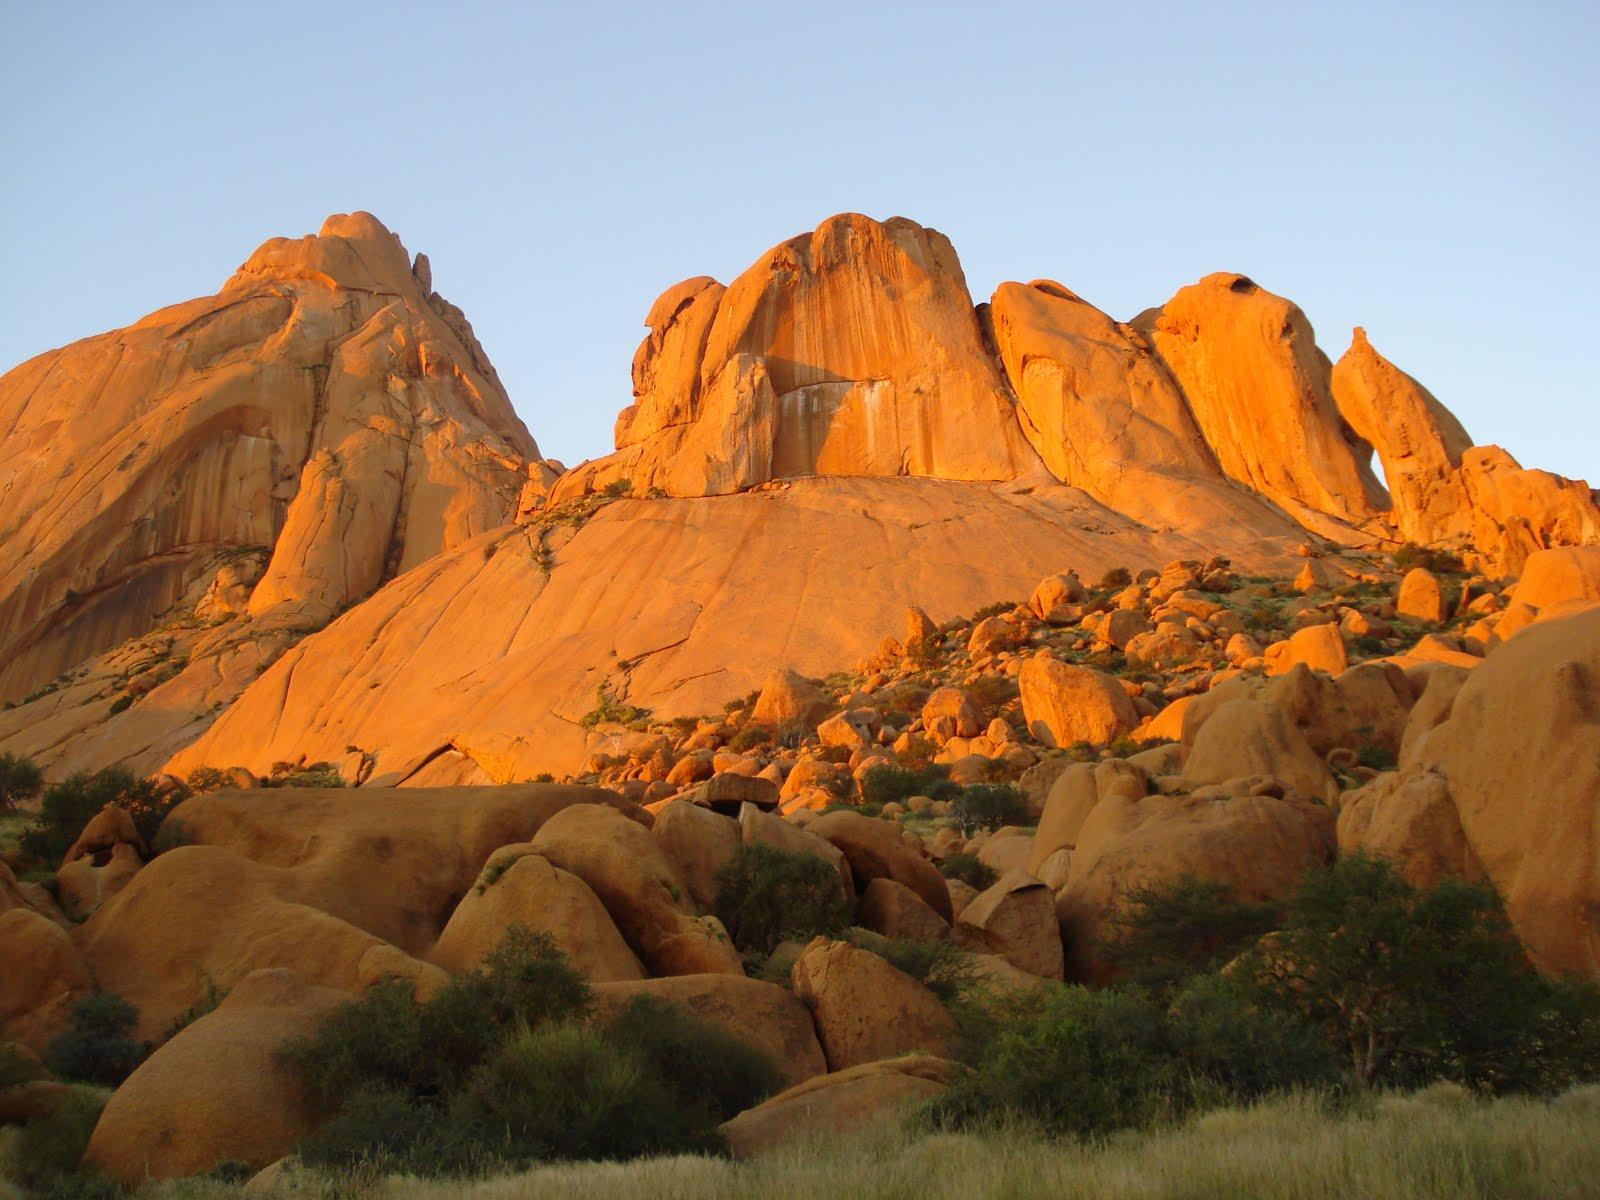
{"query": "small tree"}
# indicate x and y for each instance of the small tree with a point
(1171, 931)
(765, 895)
(1412, 984)
(19, 780)
(988, 806)
(97, 1045)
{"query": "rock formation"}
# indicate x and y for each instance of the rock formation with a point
(839, 432)
(193, 492)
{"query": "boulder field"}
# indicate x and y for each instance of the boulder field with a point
(298, 520)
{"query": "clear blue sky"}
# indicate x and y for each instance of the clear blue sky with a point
(1431, 171)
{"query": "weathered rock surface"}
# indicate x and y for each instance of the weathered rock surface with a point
(43, 976)
(838, 1103)
(519, 887)
(218, 1092)
(238, 468)
(864, 1008)
(1258, 846)
(1520, 753)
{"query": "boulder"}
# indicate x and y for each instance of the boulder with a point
(896, 911)
(843, 1102)
(393, 862)
(1559, 576)
(864, 1008)
(1258, 846)
(949, 712)
(1410, 820)
(219, 1092)
(757, 828)
(699, 843)
(1320, 647)
(1254, 737)
(82, 886)
(1520, 754)
(1015, 918)
(765, 1016)
(1006, 849)
(874, 849)
(519, 887)
(202, 915)
(790, 699)
(645, 894)
(1421, 597)
(43, 976)
(1064, 704)
(107, 829)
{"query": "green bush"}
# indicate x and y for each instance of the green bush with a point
(1169, 932)
(766, 895)
(1416, 985)
(944, 968)
(387, 1042)
(1075, 1061)
(16, 1067)
(69, 805)
(884, 785)
(97, 1046)
(988, 806)
(968, 869)
(1244, 1049)
(19, 780)
(45, 1154)
(1115, 579)
(499, 1071)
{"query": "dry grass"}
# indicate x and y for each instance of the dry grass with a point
(1436, 1145)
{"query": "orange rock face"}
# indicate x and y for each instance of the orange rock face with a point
(258, 459)
(1259, 390)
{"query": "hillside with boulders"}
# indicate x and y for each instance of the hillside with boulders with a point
(934, 712)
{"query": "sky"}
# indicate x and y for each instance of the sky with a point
(1428, 171)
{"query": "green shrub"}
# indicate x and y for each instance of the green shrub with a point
(1075, 1061)
(566, 1092)
(968, 869)
(210, 996)
(97, 1046)
(1166, 933)
(884, 785)
(944, 968)
(387, 1042)
(16, 1067)
(501, 1073)
(68, 806)
(766, 895)
(44, 1156)
(750, 737)
(716, 1073)
(608, 709)
(309, 775)
(19, 780)
(1415, 985)
(1244, 1049)
(988, 806)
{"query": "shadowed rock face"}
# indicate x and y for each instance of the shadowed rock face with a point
(836, 434)
(321, 424)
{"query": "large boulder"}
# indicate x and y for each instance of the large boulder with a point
(392, 862)
(1410, 820)
(790, 699)
(1520, 752)
(895, 911)
(645, 894)
(201, 916)
(43, 976)
(219, 1092)
(1260, 393)
(1253, 737)
(767, 1017)
(699, 843)
(1257, 846)
(1365, 707)
(864, 1008)
(1015, 918)
(843, 1102)
(875, 848)
(519, 887)
(84, 884)
(1063, 703)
